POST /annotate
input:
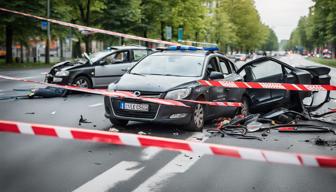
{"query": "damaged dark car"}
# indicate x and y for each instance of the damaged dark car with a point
(268, 69)
(98, 69)
(173, 74)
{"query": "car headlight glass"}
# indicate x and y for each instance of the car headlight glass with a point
(62, 73)
(178, 94)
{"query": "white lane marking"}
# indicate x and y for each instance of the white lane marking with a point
(149, 152)
(96, 105)
(179, 164)
(110, 178)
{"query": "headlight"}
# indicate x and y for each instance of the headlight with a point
(178, 94)
(62, 73)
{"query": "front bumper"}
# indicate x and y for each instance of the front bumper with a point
(49, 78)
(157, 113)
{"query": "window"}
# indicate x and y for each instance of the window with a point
(213, 65)
(266, 69)
(119, 57)
(225, 66)
(139, 54)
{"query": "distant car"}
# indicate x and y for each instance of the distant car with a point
(98, 69)
(267, 69)
(240, 57)
(172, 74)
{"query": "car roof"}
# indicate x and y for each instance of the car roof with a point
(181, 53)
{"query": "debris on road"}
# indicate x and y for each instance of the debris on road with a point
(142, 133)
(30, 113)
(53, 113)
(112, 129)
(323, 142)
(83, 120)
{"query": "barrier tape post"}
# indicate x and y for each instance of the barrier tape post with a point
(168, 144)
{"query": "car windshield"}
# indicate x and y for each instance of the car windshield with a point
(170, 65)
(98, 55)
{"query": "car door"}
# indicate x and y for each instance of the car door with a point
(265, 70)
(111, 68)
(217, 94)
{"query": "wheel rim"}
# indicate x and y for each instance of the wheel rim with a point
(199, 115)
(82, 83)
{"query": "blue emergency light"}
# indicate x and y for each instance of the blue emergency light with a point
(191, 48)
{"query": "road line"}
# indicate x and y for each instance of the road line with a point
(179, 164)
(110, 178)
(149, 152)
(96, 105)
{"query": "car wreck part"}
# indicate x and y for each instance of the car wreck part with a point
(332, 111)
(323, 142)
(307, 129)
(199, 148)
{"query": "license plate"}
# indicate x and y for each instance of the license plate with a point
(134, 106)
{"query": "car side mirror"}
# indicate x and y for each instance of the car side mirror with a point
(102, 62)
(216, 75)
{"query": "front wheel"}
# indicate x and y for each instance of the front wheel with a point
(83, 82)
(197, 120)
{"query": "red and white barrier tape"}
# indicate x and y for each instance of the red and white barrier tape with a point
(126, 94)
(95, 30)
(259, 85)
(168, 144)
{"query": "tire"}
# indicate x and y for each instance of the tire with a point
(197, 119)
(245, 109)
(83, 82)
(118, 122)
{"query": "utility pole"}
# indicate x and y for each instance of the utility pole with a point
(47, 49)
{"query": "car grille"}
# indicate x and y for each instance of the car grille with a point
(149, 94)
(153, 108)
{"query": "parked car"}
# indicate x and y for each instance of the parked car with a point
(240, 57)
(98, 69)
(172, 74)
(268, 69)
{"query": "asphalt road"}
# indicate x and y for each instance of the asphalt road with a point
(29, 163)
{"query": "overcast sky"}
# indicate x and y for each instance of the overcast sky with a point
(282, 15)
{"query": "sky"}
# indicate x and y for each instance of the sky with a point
(282, 15)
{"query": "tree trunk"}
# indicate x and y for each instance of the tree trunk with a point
(61, 49)
(46, 52)
(21, 52)
(9, 43)
(162, 30)
(145, 36)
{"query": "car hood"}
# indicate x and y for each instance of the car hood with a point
(152, 83)
(66, 65)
